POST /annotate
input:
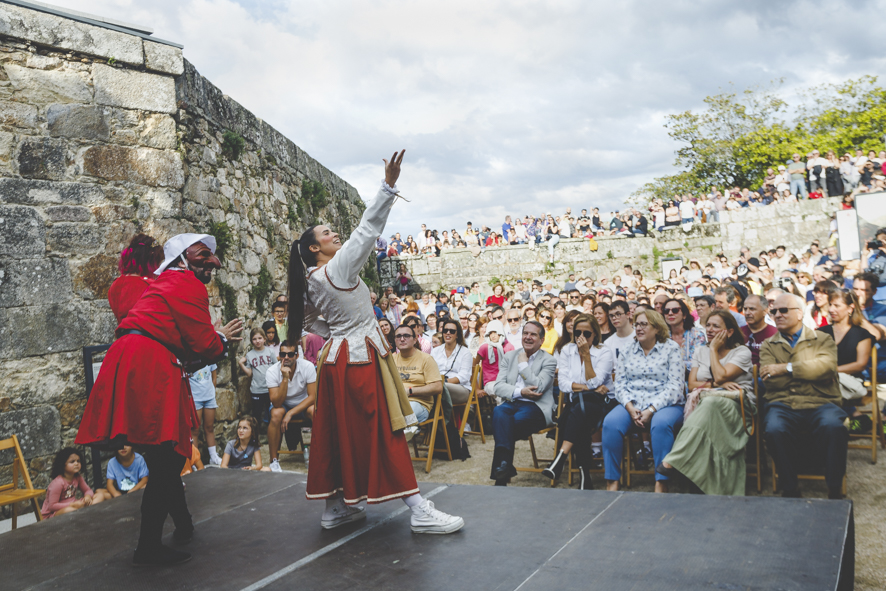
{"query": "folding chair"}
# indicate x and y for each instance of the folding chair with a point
(536, 468)
(754, 433)
(437, 422)
(290, 444)
(627, 468)
(473, 402)
(11, 494)
(876, 420)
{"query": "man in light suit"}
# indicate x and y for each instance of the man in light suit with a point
(526, 383)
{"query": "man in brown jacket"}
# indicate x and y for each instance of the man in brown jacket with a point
(799, 367)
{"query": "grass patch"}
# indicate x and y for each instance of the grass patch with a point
(258, 295)
(224, 238)
(233, 145)
(315, 193)
(229, 300)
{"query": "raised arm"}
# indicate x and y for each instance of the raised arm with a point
(344, 268)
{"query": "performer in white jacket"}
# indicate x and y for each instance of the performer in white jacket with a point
(358, 450)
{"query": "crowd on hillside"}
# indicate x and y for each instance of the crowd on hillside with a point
(814, 178)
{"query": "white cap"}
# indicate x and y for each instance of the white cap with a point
(494, 326)
(180, 243)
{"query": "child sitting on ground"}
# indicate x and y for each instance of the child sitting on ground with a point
(61, 494)
(240, 453)
(255, 364)
(127, 472)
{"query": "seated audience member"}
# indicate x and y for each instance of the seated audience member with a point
(424, 342)
(854, 345)
(650, 378)
(710, 448)
(584, 373)
(725, 299)
(387, 329)
(66, 481)
(419, 374)
(491, 353)
(455, 362)
(240, 452)
(865, 288)
(757, 329)
(526, 384)
(546, 319)
(683, 330)
(703, 306)
(816, 314)
(799, 368)
(292, 384)
(514, 328)
(127, 472)
(601, 313)
(620, 318)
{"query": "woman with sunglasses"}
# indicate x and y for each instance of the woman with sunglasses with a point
(528, 312)
(546, 317)
(710, 448)
(566, 337)
(683, 330)
(584, 373)
(471, 332)
(455, 361)
(362, 407)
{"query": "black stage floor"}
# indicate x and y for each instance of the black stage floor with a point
(257, 531)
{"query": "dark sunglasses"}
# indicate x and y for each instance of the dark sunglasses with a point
(782, 311)
(672, 310)
(499, 317)
(544, 317)
(449, 331)
(289, 354)
(584, 333)
(513, 320)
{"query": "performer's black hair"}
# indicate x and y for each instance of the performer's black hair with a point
(300, 258)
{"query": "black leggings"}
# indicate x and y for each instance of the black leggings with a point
(164, 495)
(583, 422)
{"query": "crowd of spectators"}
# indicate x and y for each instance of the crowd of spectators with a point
(813, 178)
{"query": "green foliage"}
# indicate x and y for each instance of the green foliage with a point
(644, 257)
(493, 281)
(112, 60)
(229, 300)
(369, 275)
(293, 214)
(739, 135)
(269, 235)
(656, 254)
(344, 214)
(224, 238)
(258, 295)
(609, 254)
(232, 145)
(315, 193)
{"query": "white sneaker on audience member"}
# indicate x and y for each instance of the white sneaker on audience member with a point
(275, 466)
(410, 432)
(428, 520)
(340, 515)
(215, 461)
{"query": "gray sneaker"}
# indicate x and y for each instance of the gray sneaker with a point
(428, 520)
(340, 515)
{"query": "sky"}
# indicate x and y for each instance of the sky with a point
(504, 107)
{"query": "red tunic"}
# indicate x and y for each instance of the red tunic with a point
(141, 394)
(125, 292)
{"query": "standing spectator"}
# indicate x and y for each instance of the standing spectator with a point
(292, 385)
(552, 232)
(799, 367)
(381, 251)
(797, 170)
(255, 364)
(650, 378)
(816, 167)
(278, 310)
(687, 210)
(403, 279)
(203, 383)
(672, 213)
(833, 178)
(397, 243)
(757, 330)
(506, 227)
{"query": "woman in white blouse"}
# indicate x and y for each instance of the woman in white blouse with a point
(585, 374)
(650, 379)
(455, 361)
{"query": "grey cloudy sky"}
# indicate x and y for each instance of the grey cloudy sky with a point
(504, 106)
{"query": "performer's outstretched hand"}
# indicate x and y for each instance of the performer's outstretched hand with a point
(392, 168)
(232, 329)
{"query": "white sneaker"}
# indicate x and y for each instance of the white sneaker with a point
(428, 520)
(340, 515)
(275, 466)
(215, 461)
(410, 432)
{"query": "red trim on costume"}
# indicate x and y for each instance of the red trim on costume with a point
(339, 288)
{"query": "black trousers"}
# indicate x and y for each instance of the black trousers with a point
(585, 417)
(164, 495)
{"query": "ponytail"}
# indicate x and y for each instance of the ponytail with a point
(300, 258)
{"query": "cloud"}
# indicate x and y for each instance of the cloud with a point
(504, 107)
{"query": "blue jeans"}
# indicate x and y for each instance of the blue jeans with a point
(378, 257)
(512, 421)
(782, 427)
(421, 413)
(798, 186)
(618, 423)
(713, 216)
(688, 220)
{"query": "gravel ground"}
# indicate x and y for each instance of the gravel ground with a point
(866, 485)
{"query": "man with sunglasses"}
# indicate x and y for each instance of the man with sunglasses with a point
(799, 367)
(419, 374)
(514, 328)
(574, 300)
(292, 387)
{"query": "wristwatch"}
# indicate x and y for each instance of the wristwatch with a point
(410, 391)
(790, 368)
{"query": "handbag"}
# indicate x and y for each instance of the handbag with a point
(851, 387)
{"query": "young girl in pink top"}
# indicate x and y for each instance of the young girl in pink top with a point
(491, 352)
(66, 481)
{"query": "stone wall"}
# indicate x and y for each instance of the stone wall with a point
(794, 225)
(104, 134)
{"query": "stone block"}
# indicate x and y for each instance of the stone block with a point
(156, 168)
(157, 131)
(55, 31)
(68, 213)
(103, 324)
(93, 278)
(42, 158)
(164, 58)
(34, 192)
(22, 232)
(7, 144)
(228, 405)
(70, 413)
(18, 115)
(163, 204)
(38, 430)
(48, 86)
(133, 90)
(77, 121)
(110, 213)
(75, 239)
(29, 282)
(40, 330)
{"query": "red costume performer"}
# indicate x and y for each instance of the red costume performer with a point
(137, 264)
(142, 394)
